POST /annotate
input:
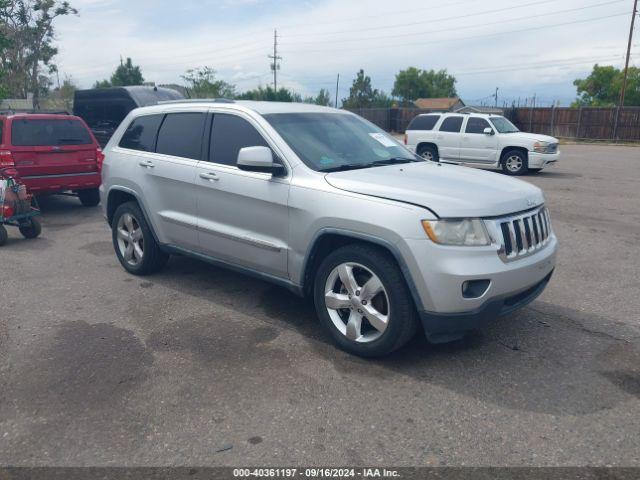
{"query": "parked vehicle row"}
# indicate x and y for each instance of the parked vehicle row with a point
(326, 204)
(480, 140)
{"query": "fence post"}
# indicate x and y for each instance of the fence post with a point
(531, 118)
(615, 124)
(553, 111)
(579, 122)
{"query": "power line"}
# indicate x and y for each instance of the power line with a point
(379, 15)
(456, 17)
(483, 24)
(505, 32)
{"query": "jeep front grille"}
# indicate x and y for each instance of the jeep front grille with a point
(523, 234)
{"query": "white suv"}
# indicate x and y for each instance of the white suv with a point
(480, 140)
(327, 205)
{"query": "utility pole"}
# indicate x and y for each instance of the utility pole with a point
(275, 66)
(337, 88)
(626, 65)
(496, 95)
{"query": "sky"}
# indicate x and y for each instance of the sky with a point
(522, 47)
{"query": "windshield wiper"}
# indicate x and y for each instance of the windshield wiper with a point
(347, 166)
(393, 161)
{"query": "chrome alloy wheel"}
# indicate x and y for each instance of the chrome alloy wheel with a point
(514, 163)
(357, 302)
(427, 155)
(130, 239)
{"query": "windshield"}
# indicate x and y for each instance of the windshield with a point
(503, 125)
(329, 142)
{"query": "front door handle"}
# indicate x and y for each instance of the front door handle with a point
(212, 177)
(146, 164)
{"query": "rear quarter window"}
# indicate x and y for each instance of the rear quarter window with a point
(30, 132)
(424, 122)
(181, 135)
(142, 133)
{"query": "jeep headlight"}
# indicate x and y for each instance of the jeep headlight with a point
(541, 147)
(465, 231)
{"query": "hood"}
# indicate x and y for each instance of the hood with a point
(450, 191)
(533, 137)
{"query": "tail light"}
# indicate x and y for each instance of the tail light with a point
(405, 138)
(99, 158)
(6, 159)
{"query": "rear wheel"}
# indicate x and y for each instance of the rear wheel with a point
(429, 152)
(90, 197)
(33, 229)
(362, 299)
(134, 243)
(4, 236)
(514, 162)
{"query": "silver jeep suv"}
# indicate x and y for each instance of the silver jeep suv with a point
(327, 205)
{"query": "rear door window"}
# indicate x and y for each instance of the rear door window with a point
(29, 132)
(476, 125)
(424, 122)
(181, 135)
(230, 134)
(451, 124)
(141, 133)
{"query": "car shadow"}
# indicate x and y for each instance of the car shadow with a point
(539, 360)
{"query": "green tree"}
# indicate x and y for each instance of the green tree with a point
(268, 94)
(61, 98)
(127, 74)
(27, 51)
(363, 95)
(603, 85)
(202, 83)
(102, 84)
(323, 98)
(414, 83)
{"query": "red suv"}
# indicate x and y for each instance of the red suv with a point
(52, 154)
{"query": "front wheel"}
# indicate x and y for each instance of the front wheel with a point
(362, 299)
(133, 241)
(30, 230)
(90, 197)
(514, 162)
(4, 235)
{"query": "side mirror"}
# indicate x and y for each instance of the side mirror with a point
(258, 159)
(489, 131)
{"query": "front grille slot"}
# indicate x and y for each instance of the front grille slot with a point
(523, 234)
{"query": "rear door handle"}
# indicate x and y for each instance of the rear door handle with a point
(212, 177)
(146, 164)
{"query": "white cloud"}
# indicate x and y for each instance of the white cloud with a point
(320, 40)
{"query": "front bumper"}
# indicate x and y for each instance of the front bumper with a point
(438, 274)
(443, 327)
(541, 160)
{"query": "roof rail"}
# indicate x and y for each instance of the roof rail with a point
(195, 100)
(17, 111)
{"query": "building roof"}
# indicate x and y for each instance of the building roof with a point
(437, 103)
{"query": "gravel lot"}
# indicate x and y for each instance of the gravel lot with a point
(200, 366)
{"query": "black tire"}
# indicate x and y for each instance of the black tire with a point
(31, 230)
(153, 258)
(90, 197)
(4, 235)
(426, 151)
(403, 319)
(523, 161)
